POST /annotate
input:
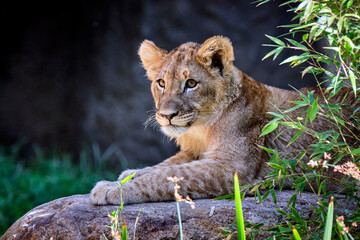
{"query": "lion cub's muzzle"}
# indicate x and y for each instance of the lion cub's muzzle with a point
(176, 119)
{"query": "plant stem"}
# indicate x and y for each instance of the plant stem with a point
(179, 217)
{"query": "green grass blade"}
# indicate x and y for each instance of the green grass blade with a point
(124, 235)
(329, 220)
(296, 234)
(239, 213)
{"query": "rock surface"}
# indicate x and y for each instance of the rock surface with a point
(75, 217)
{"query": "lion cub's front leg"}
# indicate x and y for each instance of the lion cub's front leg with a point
(106, 192)
(204, 178)
(179, 158)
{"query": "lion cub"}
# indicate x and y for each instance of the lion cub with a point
(215, 113)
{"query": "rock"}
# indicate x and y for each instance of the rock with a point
(75, 217)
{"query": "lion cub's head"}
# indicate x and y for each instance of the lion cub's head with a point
(188, 83)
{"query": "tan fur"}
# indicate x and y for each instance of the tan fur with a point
(217, 124)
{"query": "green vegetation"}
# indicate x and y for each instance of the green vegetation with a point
(335, 25)
(118, 226)
(239, 213)
(27, 183)
(178, 199)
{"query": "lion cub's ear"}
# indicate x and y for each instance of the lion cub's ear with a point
(152, 58)
(217, 53)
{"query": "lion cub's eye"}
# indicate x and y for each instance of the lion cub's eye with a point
(191, 83)
(161, 83)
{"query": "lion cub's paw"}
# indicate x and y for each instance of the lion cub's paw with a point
(105, 193)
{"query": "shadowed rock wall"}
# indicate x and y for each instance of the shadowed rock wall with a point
(70, 74)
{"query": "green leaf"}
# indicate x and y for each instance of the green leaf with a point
(269, 128)
(261, 2)
(325, 60)
(340, 24)
(273, 195)
(296, 216)
(311, 96)
(313, 110)
(127, 178)
(274, 52)
(281, 184)
(320, 187)
(229, 196)
(339, 120)
(276, 166)
(348, 40)
(294, 125)
(355, 151)
(349, 3)
(303, 26)
(329, 220)
(295, 59)
(279, 115)
(336, 84)
(292, 164)
(313, 31)
(290, 25)
(269, 54)
(275, 40)
(305, 37)
(336, 49)
(301, 5)
(282, 212)
(279, 49)
(267, 150)
(298, 105)
(330, 20)
(292, 201)
(296, 44)
(265, 196)
(306, 70)
(296, 136)
(352, 80)
(308, 10)
(352, 15)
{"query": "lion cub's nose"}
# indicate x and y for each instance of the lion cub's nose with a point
(169, 116)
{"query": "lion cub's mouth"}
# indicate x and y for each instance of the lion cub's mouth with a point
(173, 131)
(177, 125)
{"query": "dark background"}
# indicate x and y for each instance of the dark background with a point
(70, 75)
